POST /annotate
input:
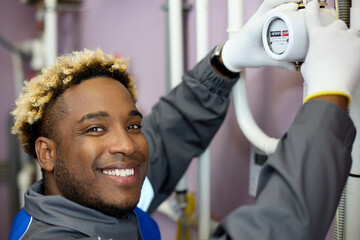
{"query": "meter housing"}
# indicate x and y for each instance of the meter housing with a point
(285, 36)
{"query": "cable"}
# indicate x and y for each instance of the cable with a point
(13, 49)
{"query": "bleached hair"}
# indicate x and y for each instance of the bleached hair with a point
(40, 94)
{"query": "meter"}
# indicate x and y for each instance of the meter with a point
(278, 36)
(285, 36)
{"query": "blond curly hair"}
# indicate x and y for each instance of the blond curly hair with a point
(36, 110)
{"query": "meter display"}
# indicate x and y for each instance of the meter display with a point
(285, 36)
(278, 36)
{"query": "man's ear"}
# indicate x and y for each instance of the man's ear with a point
(46, 153)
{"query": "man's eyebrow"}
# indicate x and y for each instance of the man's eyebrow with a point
(93, 115)
(135, 113)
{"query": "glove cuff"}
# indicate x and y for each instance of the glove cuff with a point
(327, 92)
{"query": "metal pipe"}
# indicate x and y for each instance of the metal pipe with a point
(344, 11)
(352, 209)
(204, 183)
(348, 214)
(176, 54)
(176, 42)
(241, 106)
(50, 32)
(6, 44)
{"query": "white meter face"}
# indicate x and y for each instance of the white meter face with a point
(278, 36)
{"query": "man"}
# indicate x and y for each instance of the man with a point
(80, 120)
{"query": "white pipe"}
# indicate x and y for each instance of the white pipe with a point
(352, 209)
(246, 121)
(352, 199)
(176, 42)
(50, 32)
(241, 106)
(204, 183)
(355, 102)
(235, 16)
(176, 55)
(204, 221)
(176, 49)
(202, 29)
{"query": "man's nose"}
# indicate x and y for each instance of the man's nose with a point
(121, 142)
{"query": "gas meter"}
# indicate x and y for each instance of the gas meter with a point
(285, 34)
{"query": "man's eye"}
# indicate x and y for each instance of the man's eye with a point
(95, 129)
(134, 126)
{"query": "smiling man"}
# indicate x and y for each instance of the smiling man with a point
(100, 158)
(79, 119)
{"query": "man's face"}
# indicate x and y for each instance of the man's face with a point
(101, 160)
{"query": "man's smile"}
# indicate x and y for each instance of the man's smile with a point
(124, 173)
(120, 172)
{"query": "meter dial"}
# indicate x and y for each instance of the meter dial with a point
(278, 36)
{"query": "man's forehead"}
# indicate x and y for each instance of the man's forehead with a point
(100, 94)
(97, 86)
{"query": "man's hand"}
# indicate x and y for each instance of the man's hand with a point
(331, 66)
(245, 49)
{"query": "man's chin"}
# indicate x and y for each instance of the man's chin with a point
(113, 210)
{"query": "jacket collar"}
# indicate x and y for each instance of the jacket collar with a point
(59, 211)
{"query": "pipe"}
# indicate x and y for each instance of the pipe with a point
(176, 42)
(176, 54)
(235, 16)
(6, 44)
(348, 214)
(352, 230)
(241, 106)
(344, 11)
(204, 221)
(202, 29)
(246, 121)
(204, 181)
(50, 32)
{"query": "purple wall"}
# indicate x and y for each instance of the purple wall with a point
(17, 23)
(136, 29)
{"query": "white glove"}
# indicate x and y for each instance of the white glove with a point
(245, 49)
(331, 66)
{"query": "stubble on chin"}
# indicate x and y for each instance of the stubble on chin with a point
(81, 192)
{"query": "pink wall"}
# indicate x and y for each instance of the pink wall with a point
(136, 29)
(17, 22)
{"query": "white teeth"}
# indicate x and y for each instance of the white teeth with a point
(120, 172)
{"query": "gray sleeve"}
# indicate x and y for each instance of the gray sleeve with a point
(182, 125)
(300, 186)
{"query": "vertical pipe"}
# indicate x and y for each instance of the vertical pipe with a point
(50, 43)
(50, 32)
(352, 209)
(176, 55)
(344, 11)
(204, 228)
(348, 213)
(176, 42)
(202, 29)
(202, 48)
(235, 16)
(241, 106)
